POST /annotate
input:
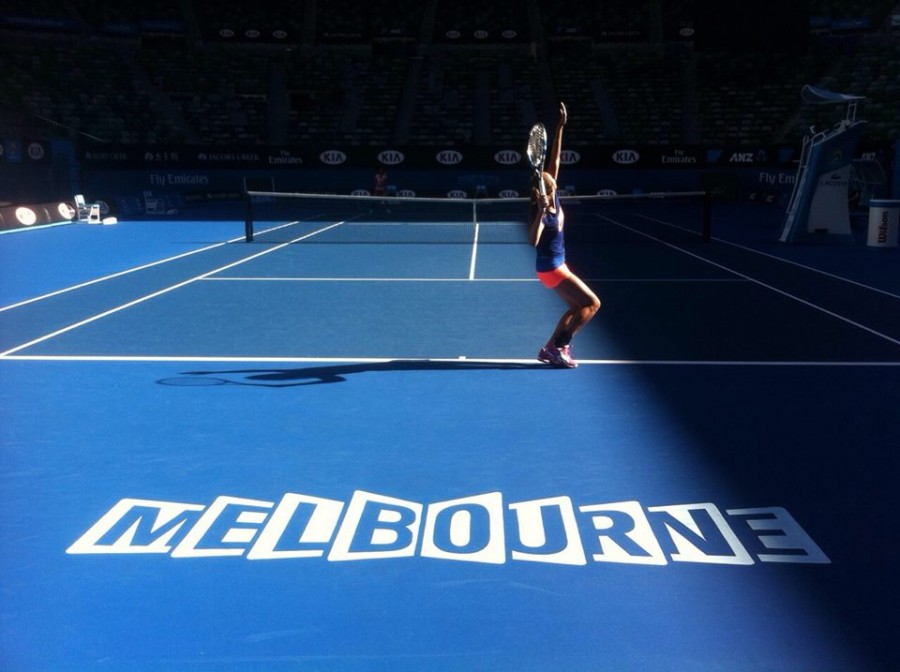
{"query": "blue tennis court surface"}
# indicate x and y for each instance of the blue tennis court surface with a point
(222, 455)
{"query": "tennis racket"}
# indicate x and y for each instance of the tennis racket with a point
(537, 152)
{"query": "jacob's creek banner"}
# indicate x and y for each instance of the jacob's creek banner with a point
(482, 528)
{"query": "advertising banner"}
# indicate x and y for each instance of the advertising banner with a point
(498, 157)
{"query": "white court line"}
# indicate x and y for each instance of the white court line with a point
(315, 279)
(458, 360)
(777, 258)
(474, 252)
(117, 275)
(811, 268)
(296, 279)
(6, 232)
(758, 282)
(165, 290)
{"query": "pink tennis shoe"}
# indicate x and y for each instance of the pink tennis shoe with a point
(558, 357)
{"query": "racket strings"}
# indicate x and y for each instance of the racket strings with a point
(537, 146)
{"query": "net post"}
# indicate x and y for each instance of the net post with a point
(248, 218)
(707, 217)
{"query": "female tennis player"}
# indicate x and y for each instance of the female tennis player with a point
(546, 235)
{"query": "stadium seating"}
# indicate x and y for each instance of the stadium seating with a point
(433, 72)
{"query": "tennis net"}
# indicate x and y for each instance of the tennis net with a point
(282, 217)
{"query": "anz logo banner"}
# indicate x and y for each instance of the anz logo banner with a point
(482, 528)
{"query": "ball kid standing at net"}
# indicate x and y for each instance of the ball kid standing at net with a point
(545, 233)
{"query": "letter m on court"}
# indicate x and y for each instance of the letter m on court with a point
(138, 526)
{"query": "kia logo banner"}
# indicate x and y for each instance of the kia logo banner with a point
(624, 157)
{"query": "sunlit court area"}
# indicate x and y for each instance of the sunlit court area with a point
(292, 379)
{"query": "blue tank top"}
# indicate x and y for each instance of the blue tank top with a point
(551, 247)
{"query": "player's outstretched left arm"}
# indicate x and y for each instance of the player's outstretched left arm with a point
(552, 165)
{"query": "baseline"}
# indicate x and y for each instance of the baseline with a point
(437, 360)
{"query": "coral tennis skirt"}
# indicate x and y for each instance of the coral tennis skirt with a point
(551, 279)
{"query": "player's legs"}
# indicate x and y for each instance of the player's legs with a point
(583, 305)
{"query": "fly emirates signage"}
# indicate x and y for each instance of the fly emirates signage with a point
(482, 528)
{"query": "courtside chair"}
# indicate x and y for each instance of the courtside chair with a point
(83, 209)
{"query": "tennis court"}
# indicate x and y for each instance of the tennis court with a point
(331, 447)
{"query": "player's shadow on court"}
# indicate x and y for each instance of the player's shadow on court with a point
(332, 373)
